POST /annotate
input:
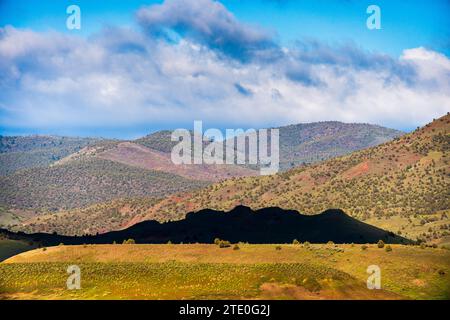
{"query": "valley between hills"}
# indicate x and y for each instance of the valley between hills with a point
(401, 185)
(95, 207)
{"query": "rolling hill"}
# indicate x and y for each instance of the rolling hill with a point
(22, 152)
(97, 218)
(207, 271)
(84, 182)
(59, 173)
(314, 142)
(402, 186)
(139, 156)
(159, 141)
(405, 181)
(306, 142)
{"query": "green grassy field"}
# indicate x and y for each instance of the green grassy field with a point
(200, 271)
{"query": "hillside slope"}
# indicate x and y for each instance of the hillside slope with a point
(84, 182)
(255, 271)
(306, 143)
(401, 186)
(405, 181)
(313, 142)
(18, 152)
(97, 218)
(26, 190)
(142, 157)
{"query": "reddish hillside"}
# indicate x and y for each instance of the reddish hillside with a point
(136, 155)
(406, 178)
(402, 186)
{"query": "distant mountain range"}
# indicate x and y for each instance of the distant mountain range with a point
(49, 174)
(306, 143)
(402, 186)
(267, 225)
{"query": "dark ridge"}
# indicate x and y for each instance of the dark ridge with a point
(267, 225)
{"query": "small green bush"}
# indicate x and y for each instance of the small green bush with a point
(364, 247)
(388, 248)
(380, 244)
(224, 244)
(295, 241)
(278, 248)
(236, 247)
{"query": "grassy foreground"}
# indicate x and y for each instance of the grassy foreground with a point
(201, 271)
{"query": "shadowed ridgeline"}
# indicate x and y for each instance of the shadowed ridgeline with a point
(267, 225)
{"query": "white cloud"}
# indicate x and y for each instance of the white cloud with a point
(124, 78)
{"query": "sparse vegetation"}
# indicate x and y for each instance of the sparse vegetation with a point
(224, 244)
(254, 272)
(95, 181)
(393, 185)
(17, 152)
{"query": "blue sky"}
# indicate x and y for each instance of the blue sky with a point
(405, 24)
(272, 56)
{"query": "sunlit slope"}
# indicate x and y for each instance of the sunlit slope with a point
(407, 177)
(209, 272)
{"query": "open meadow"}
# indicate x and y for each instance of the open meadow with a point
(243, 271)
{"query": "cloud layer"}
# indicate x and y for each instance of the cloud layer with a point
(194, 60)
(210, 24)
